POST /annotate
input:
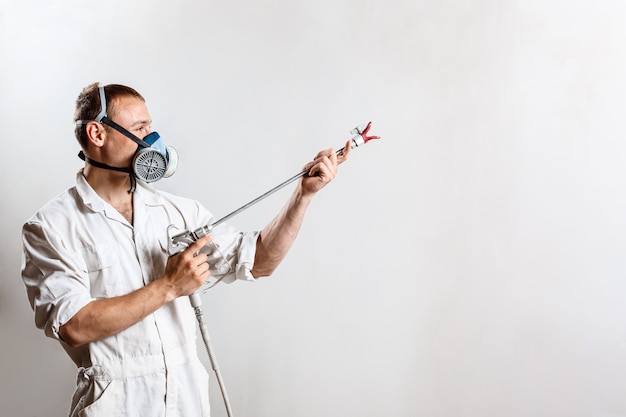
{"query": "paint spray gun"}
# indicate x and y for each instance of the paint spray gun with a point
(181, 241)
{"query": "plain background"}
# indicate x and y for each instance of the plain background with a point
(470, 263)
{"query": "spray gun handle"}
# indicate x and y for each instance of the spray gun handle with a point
(181, 241)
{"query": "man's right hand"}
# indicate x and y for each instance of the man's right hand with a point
(186, 271)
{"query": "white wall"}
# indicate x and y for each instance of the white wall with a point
(471, 263)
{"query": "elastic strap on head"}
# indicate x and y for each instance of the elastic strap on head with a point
(103, 109)
(103, 118)
(103, 105)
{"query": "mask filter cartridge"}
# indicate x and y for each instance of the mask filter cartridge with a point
(155, 162)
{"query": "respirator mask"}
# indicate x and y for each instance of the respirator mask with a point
(152, 160)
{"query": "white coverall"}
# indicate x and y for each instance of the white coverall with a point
(78, 248)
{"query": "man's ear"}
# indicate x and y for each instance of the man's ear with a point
(95, 133)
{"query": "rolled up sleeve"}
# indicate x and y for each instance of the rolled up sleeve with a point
(56, 283)
(231, 254)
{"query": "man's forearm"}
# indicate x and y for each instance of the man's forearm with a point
(278, 236)
(106, 317)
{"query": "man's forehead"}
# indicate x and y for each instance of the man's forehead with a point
(131, 109)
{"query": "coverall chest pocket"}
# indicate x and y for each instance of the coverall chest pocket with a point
(105, 270)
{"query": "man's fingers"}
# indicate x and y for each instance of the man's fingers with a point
(199, 244)
(345, 152)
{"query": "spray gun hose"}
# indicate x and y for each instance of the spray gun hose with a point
(196, 303)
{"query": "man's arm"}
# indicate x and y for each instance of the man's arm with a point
(184, 274)
(278, 236)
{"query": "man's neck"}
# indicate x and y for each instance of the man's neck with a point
(113, 187)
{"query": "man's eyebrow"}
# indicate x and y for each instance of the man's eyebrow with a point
(141, 122)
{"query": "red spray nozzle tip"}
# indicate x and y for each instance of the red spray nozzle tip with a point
(364, 135)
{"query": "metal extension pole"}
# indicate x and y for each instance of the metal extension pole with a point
(358, 139)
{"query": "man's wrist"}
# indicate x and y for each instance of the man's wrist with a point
(163, 291)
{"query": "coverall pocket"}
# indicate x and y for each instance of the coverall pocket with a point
(104, 401)
(95, 394)
(99, 257)
(103, 260)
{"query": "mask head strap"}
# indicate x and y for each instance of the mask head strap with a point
(103, 105)
(142, 143)
(133, 182)
(104, 119)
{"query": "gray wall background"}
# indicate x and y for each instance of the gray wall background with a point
(471, 263)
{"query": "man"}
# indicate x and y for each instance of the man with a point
(99, 278)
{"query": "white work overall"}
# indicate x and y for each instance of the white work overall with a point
(78, 249)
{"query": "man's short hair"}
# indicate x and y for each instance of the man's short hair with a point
(88, 106)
